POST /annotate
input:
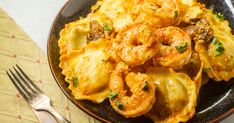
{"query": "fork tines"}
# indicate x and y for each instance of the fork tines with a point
(23, 83)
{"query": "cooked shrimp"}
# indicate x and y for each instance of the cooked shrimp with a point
(159, 13)
(139, 100)
(175, 47)
(135, 44)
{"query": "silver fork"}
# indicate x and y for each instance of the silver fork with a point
(32, 94)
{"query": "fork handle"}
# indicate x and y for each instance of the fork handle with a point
(57, 115)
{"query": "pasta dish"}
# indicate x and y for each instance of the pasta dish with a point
(147, 57)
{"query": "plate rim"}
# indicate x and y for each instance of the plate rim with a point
(80, 106)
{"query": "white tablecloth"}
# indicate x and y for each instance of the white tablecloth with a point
(36, 17)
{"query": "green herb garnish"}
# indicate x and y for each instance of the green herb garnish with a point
(75, 81)
(182, 47)
(112, 95)
(206, 69)
(105, 59)
(175, 14)
(219, 16)
(107, 27)
(119, 104)
(145, 86)
(218, 47)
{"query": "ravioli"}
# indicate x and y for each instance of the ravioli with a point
(74, 36)
(158, 13)
(217, 54)
(194, 11)
(117, 12)
(87, 71)
(176, 96)
(188, 2)
(194, 69)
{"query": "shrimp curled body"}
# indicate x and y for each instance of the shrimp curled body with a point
(175, 47)
(142, 90)
(136, 44)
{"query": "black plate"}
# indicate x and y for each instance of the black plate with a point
(216, 100)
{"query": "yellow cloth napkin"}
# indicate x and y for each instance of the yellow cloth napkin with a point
(17, 48)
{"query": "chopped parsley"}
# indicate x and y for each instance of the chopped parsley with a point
(75, 81)
(175, 14)
(119, 104)
(218, 47)
(104, 60)
(207, 69)
(107, 27)
(145, 86)
(219, 16)
(112, 95)
(182, 47)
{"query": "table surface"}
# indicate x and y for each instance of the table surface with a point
(35, 17)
